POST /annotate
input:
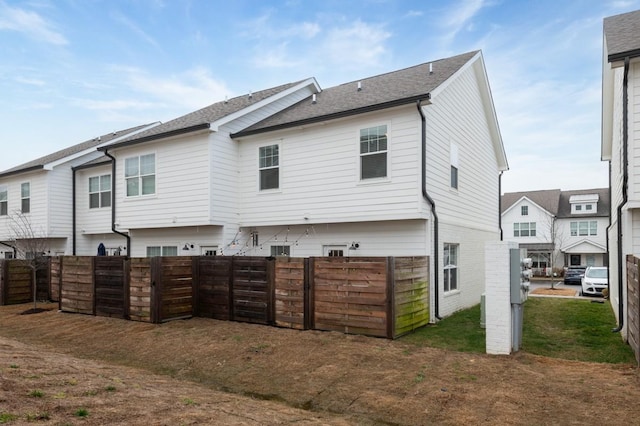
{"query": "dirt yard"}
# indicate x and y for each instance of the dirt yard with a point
(57, 367)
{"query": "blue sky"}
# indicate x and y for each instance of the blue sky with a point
(71, 70)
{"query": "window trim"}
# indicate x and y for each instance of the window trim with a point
(531, 230)
(274, 246)
(139, 176)
(100, 191)
(4, 189)
(23, 198)
(446, 281)
(272, 167)
(386, 151)
(163, 249)
(524, 210)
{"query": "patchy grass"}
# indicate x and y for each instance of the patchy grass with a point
(564, 328)
(575, 329)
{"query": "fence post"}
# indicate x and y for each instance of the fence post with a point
(390, 308)
(310, 308)
(3, 281)
(195, 285)
(271, 291)
(156, 289)
(126, 282)
(230, 299)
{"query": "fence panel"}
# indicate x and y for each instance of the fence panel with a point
(214, 284)
(350, 295)
(77, 290)
(252, 290)
(111, 289)
(290, 292)
(633, 304)
(15, 284)
(173, 279)
(410, 294)
(43, 280)
(54, 278)
(140, 289)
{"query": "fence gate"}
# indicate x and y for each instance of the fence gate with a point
(111, 289)
(214, 284)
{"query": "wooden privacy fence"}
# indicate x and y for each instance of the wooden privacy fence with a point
(633, 304)
(381, 296)
(16, 281)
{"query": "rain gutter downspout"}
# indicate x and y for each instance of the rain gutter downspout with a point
(73, 211)
(625, 181)
(427, 197)
(113, 202)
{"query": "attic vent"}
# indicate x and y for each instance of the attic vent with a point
(226, 99)
(250, 95)
(359, 86)
(114, 133)
(313, 98)
(430, 67)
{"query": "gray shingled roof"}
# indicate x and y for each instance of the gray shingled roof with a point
(622, 35)
(402, 86)
(39, 163)
(556, 201)
(205, 115)
(604, 203)
(548, 199)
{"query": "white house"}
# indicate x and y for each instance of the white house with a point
(558, 228)
(36, 198)
(621, 147)
(401, 164)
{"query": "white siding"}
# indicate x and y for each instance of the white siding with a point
(96, 220)
(182, 185)
(537, 215)
(38, 217)
(319, 174)
(457, 115)
(178, 237)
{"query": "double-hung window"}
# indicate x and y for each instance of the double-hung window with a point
(4, 208)
(99, 191)
(373, 152)
(524, 210)
(269, 167)
(280, 250)
(524, 229)
(140, 175)
(25, 194)
(450, 267)
(153, 251)
(584, 228)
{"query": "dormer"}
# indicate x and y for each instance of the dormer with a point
(584, 204)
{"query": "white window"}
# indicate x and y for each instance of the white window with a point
(8, 255)
(453, 158)
(589, 207)
(373, 152)
(584, 228)
(524, 229)
(579, 207)
(153, 251)
(524, 210)
(269, 167)
(450, 267)
(280, 250)
(209, 250)
(100, 191)
(334, 250)
(3, 200)
(140, 174)
(25, 192)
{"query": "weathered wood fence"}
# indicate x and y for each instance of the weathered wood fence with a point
(375, 296)
(16, 282)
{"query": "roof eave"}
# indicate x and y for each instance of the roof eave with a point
(335, 115)
(191, 129)
(26, 170)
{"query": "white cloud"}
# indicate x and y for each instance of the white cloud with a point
(459, 18)
(358, 45)
(29, 81)
(120, 18)
(121, 104)
(30, 24)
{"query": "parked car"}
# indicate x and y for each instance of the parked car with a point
(574, 274)
(596, 279)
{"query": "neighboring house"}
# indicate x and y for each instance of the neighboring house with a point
(558, 228)
(621, 147)
(406, 163)
(36, 198)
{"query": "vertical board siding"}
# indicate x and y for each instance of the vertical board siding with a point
(173, 278)
(140, 289)
(290, 292)
(214, 286)
(54, 277)
(350, 295)
(110, 286)
(77, 286)
(633, 301)
(43, 280)
(411, 294)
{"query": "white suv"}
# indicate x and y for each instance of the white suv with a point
(595, 280)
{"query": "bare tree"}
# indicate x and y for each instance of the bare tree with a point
(31, 245)
(556, 240)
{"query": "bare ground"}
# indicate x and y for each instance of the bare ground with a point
(203, 371)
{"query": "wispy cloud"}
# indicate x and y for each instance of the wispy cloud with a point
(29, 81)
(459, 18)
(29, 23)
(134, 28)
(359, 44)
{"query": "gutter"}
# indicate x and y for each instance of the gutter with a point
(625, 182)
(427, 197)
(113, 200)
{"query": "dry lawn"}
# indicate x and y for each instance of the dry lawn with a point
(203, 371)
